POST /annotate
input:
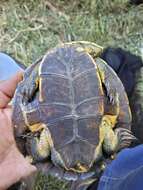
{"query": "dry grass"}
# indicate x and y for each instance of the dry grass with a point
(29, 28)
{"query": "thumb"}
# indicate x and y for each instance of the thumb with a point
(26, 169)
(8, 86)
(7, 89)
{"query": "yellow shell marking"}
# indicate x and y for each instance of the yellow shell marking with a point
(89, 47)
(82, 168)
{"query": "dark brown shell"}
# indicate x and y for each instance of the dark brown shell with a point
(71, 96)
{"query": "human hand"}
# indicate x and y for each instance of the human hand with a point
(13, 165)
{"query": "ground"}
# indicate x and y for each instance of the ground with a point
(28, 28)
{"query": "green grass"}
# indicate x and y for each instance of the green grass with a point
(28, 28)
(49, 183)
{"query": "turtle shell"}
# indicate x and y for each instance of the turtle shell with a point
(71, 96)
(70, 101)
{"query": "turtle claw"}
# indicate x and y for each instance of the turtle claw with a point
(129, 137)
(111, 93)
(114, 98)
(125, 130)
(28, 92)
(125, 137)
(111, 98)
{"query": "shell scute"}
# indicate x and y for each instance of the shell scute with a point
(54, 64)
(87, 86)
(88, 107)
(54, 89)
(88, 128)
(54, 112)
(76, 94)
(62, 132)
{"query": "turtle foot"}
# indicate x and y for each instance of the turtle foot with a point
(28, 91)
(114, 100)
(125, 137)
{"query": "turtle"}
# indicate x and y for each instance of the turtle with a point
(76, 109)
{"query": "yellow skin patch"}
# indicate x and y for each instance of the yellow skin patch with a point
(107, 135)
(110, 120)
(43, 146)
(105, 127)
(36, 127)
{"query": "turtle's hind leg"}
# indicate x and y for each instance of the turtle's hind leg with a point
(39, 148)
(110, 140)
(125, 137)
(115, 139)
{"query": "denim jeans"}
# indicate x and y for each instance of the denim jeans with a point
(8, 66)
(125, 172)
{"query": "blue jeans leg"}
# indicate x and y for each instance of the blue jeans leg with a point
(8, 67)
(125, 172)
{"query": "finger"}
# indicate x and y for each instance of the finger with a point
(7, 89)
(8, 86)
(8, 113)
(4, 100)
(27, 169)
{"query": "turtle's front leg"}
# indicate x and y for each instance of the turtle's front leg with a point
(114, 89)
(30, 85)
